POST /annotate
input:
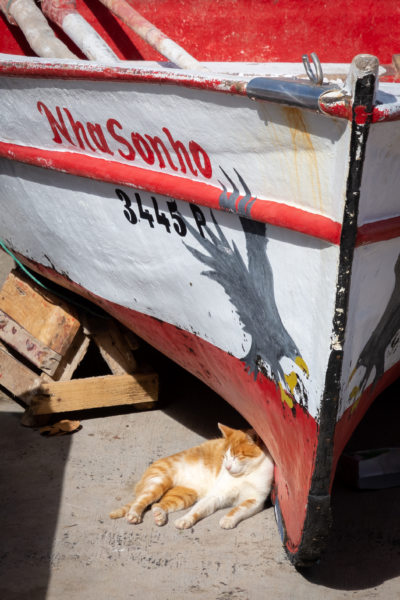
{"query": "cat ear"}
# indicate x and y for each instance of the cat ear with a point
(225, 430)
(253, 435)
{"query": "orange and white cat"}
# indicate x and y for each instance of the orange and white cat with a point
(233, 471)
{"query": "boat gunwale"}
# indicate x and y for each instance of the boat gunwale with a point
(73, 70)
(227, 83)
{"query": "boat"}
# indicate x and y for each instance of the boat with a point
(222, 178)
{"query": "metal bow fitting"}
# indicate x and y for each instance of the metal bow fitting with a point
(318, 76)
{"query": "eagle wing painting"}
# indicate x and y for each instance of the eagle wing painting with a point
(250, 288)
(372, 356)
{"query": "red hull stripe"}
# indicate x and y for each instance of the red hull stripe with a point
(265, 211)
(388, 112)
(379, 231)
(380, 114)
(54, 70)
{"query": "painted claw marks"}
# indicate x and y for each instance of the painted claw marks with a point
(229, 201)
(387, 332)
(295, 385)
(250, 288)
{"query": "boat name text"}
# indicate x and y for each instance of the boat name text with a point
(164, 152)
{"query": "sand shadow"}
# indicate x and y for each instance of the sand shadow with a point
(31, 476)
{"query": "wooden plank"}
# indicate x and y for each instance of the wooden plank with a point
(72, 359)
(27, 345)
(95, 392)
(131, 339)
(16, 377)
(112, 345)
(44, 315)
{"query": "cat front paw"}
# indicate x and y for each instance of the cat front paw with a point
(184, 522)
(159, 514)
(227, 522)
(133, 517)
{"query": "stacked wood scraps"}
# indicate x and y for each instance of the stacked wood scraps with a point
(43, 340)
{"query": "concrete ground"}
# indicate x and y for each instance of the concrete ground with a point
(57, 542)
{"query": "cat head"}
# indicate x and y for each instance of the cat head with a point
(243, 450)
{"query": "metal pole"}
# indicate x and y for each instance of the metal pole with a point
(153, 36)
(64, 14)
(34, 26)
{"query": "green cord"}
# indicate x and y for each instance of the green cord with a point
(65, 298)
(21, 266)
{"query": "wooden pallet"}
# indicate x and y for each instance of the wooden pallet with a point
(42, 342)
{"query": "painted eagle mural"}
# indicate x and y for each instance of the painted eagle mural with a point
(250, 288)
(372, 356)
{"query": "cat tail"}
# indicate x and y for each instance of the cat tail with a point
(120, 512)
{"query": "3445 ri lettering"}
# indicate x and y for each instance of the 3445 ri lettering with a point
(173, 220)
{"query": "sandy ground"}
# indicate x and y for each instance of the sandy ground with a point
(57, 542)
